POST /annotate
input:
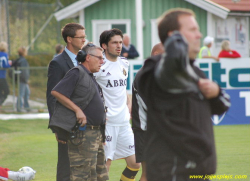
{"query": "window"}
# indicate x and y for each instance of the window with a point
(98, 26)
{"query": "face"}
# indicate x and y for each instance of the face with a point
(95, 61)
(126, 40)
(190, 30)
(76, 43)
(114, 47)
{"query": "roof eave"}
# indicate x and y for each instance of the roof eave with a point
(211, 7)
(73, 9)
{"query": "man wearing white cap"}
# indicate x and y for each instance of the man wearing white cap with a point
(205, 50)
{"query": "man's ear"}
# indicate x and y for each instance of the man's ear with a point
(87, 58)
(170, 33)
(104, 46)
(69, 39)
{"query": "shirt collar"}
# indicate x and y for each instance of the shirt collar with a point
(90, 73)
(72, 56)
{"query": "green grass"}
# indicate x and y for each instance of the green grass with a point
(30, 143)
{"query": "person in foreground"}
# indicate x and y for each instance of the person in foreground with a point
(139, 116)
(113, 79)
(80, 102)
(180, 101)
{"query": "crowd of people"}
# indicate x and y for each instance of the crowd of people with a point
(171, 136)
(226, 51)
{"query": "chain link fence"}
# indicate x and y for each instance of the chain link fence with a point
(31, 24)
(37, 84)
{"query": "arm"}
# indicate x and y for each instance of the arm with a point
(218, 99)
(55, 74)
(129, 104)
(24, 76)
(230, 54)
(213, 57)
(132, 53)
(80, 116)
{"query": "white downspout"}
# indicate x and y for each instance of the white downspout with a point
(81, 18)
(139, 28)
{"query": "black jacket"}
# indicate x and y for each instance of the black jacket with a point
(180, 138)
(58, 67)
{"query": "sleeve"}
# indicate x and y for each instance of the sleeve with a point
(236, 54)
(66, 86)
(233, 54)
(55, 74)
(132, 53)
(4, 61)
(220, 104)
(24, 76)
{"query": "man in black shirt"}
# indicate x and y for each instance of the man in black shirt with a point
(80, 100)
(180, 101)
(139, 116)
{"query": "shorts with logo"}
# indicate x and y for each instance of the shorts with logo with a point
(139, 145)
(87, 161)
(119, 142)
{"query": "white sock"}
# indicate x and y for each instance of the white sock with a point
(20, 176)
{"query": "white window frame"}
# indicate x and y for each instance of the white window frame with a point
(109, 22)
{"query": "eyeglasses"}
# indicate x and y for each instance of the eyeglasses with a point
(82, 38)
(100, 58)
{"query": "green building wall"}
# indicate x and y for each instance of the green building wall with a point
(152, 9)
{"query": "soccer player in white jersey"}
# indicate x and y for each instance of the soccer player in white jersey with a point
(112, 78)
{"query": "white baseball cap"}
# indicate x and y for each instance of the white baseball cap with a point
(207, 40)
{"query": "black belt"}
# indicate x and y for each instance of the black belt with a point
(92, 127)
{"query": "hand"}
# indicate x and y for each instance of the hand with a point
(81, 118)
(208, 88)
(59, 141)
(216, 58)
(125, 54)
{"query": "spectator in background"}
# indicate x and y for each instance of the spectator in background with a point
(139, 116)
(205, 50)
(226, 52)
(24, 90)
(4, 63)
(128, 50)
(59, 49)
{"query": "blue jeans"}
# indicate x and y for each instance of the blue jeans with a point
(23, 97)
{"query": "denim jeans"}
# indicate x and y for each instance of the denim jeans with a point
(23, 97)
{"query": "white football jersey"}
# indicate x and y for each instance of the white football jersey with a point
(112, 78)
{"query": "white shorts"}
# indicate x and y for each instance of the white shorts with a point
(119, 142)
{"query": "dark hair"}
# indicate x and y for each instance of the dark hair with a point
(87, 49)
(22, 51)
(59, 47)
(169, 21)
(108, 34)
(70, 30)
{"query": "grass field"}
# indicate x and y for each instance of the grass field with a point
(30, 143)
